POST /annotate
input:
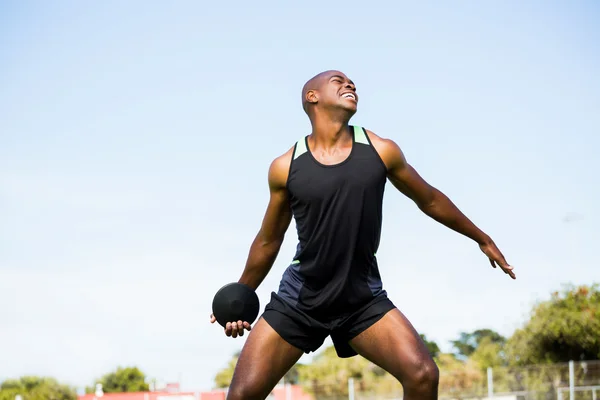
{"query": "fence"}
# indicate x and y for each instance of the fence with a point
(568, 381)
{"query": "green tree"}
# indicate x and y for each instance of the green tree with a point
(224, 376)
(328, 374)
(468, 342)
(432, 346)
(565, 327)
(127, 379)
(489, 353)
(492, 354)
(36, 388)
(458, 377)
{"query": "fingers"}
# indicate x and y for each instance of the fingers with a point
(235, 329)
(497, 259)
(212, 319)
(509, 270)
(505, 267)
(231, 329)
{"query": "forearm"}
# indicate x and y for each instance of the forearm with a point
(445, 212)
(261, 258)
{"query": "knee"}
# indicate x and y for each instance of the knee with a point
(425, 376)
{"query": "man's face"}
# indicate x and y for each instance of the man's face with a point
(337, 91)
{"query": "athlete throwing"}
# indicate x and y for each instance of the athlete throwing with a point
(332, 182)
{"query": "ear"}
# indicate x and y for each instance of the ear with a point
(311, 96)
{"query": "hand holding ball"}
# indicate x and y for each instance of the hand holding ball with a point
(235, 308)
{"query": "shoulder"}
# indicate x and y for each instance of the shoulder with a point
(388, 150)
(279, 169)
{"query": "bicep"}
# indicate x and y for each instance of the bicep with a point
(406, 179)
(410, 183)
(277, 217)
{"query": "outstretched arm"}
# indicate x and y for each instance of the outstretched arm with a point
(266, 244)
(432, 202)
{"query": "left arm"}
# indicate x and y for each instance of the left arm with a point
(430, 200)
(433, 202)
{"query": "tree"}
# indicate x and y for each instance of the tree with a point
(458, 377)
(565, 327)
(327, 377)
(224, 376)
(489, 353)
(36, 388)
(432, 346)
(468, 342)
(128, 379)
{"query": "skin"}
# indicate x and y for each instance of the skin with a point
(392, 343)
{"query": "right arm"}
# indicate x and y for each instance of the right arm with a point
(266, 244)
(277, 218)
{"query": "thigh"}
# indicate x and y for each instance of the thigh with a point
(295, 326)
(263, 361)
(357, 323)
(393, 344)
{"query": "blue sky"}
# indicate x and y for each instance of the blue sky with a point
(135, 139)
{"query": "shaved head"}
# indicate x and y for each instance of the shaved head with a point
(315, 83)
(329, 94)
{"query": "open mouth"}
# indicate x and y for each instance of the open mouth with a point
(350, 96)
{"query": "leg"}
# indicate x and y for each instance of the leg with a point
(264, 360)
(394, 345)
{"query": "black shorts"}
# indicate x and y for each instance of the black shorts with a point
(308, 334)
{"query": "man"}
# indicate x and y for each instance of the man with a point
(332, 182)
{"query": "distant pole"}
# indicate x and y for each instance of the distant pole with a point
(99, 392)
(351, 389)
(490, 376)
(571, 380)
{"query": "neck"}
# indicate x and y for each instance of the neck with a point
(328, 130)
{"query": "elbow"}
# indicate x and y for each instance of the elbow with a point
(429, 209)
(273, 245)
(430, 204)
(270, 243)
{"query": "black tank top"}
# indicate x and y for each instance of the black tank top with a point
(338, 214)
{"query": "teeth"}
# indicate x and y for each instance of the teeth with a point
(349, 95)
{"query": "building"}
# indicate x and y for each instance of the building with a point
(281, 392)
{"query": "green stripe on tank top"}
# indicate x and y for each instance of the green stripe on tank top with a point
(295, 262)
(300, 148)
(360, 136)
